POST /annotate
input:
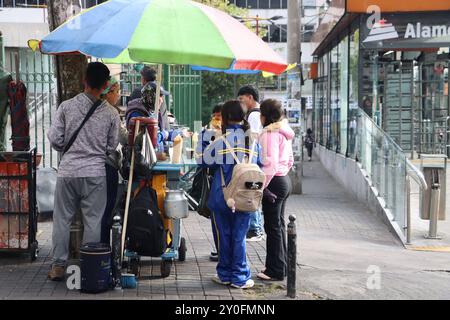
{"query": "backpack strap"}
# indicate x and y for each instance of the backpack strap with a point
(86, 118)
(251, 111)
(223, 178)
(231, 150)
(252, 152)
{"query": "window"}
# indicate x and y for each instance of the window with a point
(275, 4)
(353, 92)
(343, 95)
(21, 3)
(308, 31)
(334, 142)
(283, 29)
(277, 33)
(323, 102)
(309, 4)
(241, 3)
(252, 4)
(274, 33)
(7, 3)
(264, 4)
(260, 4)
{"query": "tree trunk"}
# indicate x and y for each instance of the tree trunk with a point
(294, 40)
(70, 69)
(70, 74)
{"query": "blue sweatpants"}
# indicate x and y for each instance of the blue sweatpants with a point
(231, 231)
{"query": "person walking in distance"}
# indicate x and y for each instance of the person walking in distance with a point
(309, 143)
(249, 99)
(85, 130)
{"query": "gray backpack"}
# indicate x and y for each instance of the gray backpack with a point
(245, 191)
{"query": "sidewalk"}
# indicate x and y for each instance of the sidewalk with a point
(338, 240)
(341, 245)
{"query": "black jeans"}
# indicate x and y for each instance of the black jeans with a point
(275, 227)
(309, 148)
(112, 183)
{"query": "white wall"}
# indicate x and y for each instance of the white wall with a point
(18, 25)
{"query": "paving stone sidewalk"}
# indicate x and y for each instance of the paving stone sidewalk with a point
(338, 240)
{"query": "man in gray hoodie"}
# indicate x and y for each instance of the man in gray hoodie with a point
(81, 180)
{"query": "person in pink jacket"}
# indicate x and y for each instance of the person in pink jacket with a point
(277, 157)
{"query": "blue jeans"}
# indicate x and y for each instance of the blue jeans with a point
(255, 222)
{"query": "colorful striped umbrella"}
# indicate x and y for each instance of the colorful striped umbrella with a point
(242, 72)
(164, 32)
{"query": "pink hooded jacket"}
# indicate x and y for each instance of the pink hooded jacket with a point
(276, 145)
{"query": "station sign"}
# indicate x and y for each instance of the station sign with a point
(406, 31)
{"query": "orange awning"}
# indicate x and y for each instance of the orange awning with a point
(360, 6)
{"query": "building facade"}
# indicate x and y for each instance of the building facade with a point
(393, 64)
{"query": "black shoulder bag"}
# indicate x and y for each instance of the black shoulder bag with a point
(74, 136)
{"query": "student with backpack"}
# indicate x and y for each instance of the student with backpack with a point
(277, 157)
(236, 193)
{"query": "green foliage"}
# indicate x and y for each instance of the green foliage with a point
(216, 86)
(219, 87)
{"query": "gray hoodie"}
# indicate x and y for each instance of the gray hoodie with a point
(99, 137)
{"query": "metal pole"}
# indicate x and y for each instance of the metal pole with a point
(408, 210)
(257, 25)
(434, 206)
(292, 257)
(116, 255)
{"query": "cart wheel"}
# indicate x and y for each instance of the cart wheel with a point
(166, 266)
(134, 266)
(34, 250)
(182, 250)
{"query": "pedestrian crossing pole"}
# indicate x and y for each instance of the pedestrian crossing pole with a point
(292, 258)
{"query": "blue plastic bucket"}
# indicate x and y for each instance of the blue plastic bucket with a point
(95, 265)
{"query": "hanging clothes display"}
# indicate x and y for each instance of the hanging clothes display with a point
(20, 123)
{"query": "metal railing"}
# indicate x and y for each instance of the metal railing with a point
(36, 71)
(415, 174)
(447, 135)
(385, 165)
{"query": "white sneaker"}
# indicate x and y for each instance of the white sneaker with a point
(247, 285)
(216, 279)
(254, 237)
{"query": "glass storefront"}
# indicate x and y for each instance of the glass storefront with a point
(353, 81)
(404, 91)
(335, 106)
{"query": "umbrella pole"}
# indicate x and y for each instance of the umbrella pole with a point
(130, 182)
(158, 90)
